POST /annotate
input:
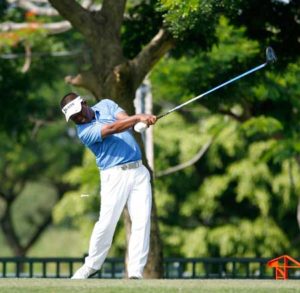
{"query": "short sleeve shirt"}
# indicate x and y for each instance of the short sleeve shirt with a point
(114, 149)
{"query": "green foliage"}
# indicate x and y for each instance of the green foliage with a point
(35, 151)
(183, 149)
(246, 238)
(3, 7)
(283, 150)
(240, 197)
(80, 208)
(27, 36)
(262, 125)
(241, 238)
(68, 243)
(31, 172)
(85, 200)
(170, 73)
(140, 26)
(14, 109)
(183, 15)
(271, 22)
(29, 210)
(189, 76)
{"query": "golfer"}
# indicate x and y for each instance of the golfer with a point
(105, 129)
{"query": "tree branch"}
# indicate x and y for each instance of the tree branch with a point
(16, 2)
(85, 79)
(51, 28)
(38, 123)
(10, 232)
(36, 9)
(184, 165)
(232, 115)
(47, 221)
(77, 15)
(151, 54)
(27, 62)
(3, 196)
(31, 5)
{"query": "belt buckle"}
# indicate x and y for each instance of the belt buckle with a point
(132, 165)
(124, 167)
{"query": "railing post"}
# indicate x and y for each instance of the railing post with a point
(193, 269)
(57, 269)
(4, 269)
(220, 269)
(234, 269)
(167, 270)
(30, 268)
(113, 269)
(261, 270)
(247, 270)
(70, 268)
(44, 269)
(206, 266)
(17, 267)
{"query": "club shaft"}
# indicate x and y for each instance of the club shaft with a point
(213, 89)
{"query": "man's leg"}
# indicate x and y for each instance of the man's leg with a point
(114, 193)
(139, 207)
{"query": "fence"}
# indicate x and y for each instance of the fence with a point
(179, 268)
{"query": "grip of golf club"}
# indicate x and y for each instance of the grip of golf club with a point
(140, 127)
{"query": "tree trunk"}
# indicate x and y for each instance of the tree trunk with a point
(154, 267)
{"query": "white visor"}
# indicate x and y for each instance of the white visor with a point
(72, 107)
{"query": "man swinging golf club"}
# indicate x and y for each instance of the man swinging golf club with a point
(105, 129)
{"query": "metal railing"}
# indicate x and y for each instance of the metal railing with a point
(177, 268)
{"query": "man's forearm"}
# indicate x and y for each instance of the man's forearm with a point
(120, 125)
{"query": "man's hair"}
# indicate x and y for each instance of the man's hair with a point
(67, 99)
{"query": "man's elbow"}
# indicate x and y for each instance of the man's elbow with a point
(109, 129)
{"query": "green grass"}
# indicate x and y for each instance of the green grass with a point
(145, 286)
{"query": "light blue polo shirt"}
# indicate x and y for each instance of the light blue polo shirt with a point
(114, 149)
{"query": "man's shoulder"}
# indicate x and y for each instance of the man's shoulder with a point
(103, 103)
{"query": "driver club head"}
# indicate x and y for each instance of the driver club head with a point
(270, 55)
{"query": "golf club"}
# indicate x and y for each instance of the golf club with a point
(270, 58)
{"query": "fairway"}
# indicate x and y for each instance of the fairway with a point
(145, 286)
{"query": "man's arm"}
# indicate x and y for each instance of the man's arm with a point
(125, 122)
(122, 115)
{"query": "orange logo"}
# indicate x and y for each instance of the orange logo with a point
(281, 265)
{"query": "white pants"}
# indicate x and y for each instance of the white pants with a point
(118, 188)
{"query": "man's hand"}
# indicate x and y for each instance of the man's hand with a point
(147, 119)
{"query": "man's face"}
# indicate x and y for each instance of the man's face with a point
(86, 115)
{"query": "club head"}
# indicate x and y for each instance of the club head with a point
(270, 55)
